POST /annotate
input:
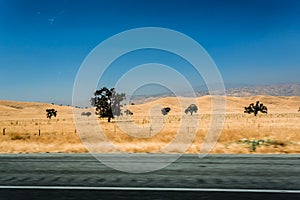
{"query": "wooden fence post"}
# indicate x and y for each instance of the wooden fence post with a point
(150, 130)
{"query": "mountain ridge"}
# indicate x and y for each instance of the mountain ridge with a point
(286, 89)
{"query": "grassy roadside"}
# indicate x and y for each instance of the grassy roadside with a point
(242, 133)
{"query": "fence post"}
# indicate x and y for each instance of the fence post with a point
(39, 132)
(3, 131)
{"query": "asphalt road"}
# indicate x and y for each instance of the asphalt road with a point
(81, 176)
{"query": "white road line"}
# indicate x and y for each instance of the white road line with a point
(151, 189)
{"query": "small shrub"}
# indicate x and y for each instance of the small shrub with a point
(254, 144)
(18, 137)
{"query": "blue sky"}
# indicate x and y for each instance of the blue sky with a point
(43, 43)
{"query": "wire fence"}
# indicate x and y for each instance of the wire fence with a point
(146, 126)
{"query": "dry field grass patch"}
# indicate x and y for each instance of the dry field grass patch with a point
(28, 130)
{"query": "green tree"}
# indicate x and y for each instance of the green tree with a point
(165, 110)
(51, 112)
(192, 108)
(107, 103)
(258, 107)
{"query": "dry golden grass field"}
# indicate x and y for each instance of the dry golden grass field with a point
(24, 128)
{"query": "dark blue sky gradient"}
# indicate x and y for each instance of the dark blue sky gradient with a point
(43, 43)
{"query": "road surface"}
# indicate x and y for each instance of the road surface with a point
(81, 176)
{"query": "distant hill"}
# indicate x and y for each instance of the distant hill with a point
(24, 110)
(14, 110)
(292, 89)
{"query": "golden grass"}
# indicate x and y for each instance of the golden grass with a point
(23, 121)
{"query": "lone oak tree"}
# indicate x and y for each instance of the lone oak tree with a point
(165, 110)
(192, 108)
(51, 112)
(258, 107)
(107, 103)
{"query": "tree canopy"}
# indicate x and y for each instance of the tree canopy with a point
(192, 108)
(51, 112)
(107, 103)
(165, 110)
(256, 108)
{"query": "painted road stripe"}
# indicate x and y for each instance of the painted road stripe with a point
(150, 189)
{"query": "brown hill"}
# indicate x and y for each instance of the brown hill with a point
(275, 104)
(25, 127)
(29, 110)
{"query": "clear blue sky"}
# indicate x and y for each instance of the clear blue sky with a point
(43, 42)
